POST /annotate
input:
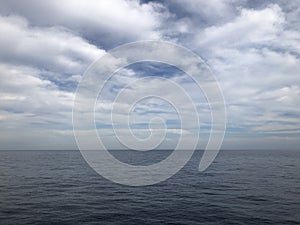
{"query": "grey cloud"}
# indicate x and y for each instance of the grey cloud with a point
(107, 23)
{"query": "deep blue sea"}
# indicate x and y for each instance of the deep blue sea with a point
(240, 187)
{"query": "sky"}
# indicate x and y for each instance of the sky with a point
(251, 46)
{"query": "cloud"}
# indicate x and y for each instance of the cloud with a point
(53, 49)
(104, 22)
(39, 70)
(250, 27)
(32, 110)
(206, 13)
(31, 100)
(252, 47)
(256, 59)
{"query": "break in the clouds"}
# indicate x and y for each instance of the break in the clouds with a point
(253, 48)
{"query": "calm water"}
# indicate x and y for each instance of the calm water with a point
(240, 187)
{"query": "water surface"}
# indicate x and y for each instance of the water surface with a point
(240, 187)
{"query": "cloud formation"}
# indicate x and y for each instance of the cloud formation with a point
(253, 48)
(107, 23)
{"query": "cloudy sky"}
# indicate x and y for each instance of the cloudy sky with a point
(251, 46)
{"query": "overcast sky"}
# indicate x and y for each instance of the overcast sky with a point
(252, 47)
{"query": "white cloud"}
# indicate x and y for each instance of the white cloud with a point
(251, 27)
(256, 59)
(54, 49)
(253, 48)
(103, 21)
(24, 95)
(36, 65)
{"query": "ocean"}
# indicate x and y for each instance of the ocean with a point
(240, 187)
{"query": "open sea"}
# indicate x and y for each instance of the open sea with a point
(240, 187)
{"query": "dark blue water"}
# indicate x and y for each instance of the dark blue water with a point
(240, 187)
